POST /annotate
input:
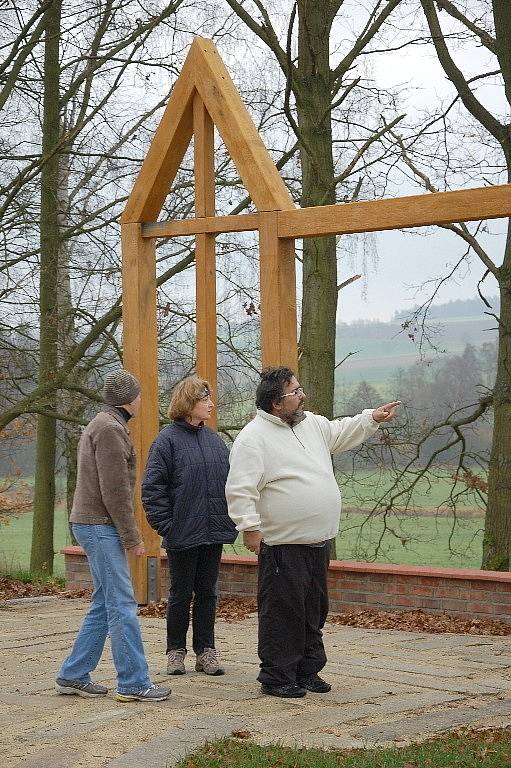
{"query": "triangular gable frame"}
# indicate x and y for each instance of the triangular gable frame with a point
(204, 74)
(204, 96)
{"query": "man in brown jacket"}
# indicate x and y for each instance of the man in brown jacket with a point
(103, 523)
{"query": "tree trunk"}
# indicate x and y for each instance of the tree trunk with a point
(497, 530)
(41, 558)
(313, 104)
(70, 403)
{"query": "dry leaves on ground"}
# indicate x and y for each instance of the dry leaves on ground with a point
(230, 609)
(233, 609)
(419, 621)
(13, 589)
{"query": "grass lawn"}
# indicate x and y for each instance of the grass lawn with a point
(16, 538)
(367, 486)
(490, 749)
(417, 540)
(410, 539)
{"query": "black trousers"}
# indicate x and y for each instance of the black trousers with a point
(193, 572)
(293, 605)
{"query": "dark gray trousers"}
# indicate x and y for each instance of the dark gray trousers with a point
(293, 604)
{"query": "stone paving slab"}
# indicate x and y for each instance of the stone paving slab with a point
(320, 717)
(433, 722)
(388, 687)
(179, 742)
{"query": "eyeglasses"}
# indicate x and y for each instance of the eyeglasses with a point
(205, 395)
(297, 391)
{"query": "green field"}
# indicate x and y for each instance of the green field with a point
(409, 538)
(414, 540)
(15, 543)
(366, 487)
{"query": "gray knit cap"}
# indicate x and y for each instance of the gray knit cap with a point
(120, 387)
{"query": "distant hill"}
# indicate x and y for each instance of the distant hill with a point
(458, 308)
(382, 348)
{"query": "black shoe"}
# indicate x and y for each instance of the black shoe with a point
(314, 684)
(291, 691)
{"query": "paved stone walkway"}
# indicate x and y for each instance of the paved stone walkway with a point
(387, 687)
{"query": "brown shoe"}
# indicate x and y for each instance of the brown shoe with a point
(209, 662)
(176, 661)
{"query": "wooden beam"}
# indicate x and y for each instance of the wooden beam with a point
(233, 122)
(166, 152)
(205, 260)
(397, 213)
(140, 357)
(278, 296)
(245, 222)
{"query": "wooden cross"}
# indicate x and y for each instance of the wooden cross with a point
(204, 97)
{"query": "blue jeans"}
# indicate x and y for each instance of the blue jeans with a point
(113, 612)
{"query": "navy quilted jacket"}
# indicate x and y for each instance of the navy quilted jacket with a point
(183, 490)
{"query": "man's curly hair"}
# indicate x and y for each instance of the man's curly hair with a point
(271, 386)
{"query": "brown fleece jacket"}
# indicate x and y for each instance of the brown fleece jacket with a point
(106, 476)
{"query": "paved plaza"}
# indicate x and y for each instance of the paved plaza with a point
(388, 687)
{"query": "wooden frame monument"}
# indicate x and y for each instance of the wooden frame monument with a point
(204, 97)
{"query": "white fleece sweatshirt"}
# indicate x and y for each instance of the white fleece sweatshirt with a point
(281, 479)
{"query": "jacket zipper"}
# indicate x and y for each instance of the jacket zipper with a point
(207, 484)
(294, 433)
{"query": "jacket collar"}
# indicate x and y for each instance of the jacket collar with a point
(274, 419)
(188, 427)
(116, 414)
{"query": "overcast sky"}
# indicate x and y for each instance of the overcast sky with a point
(405, 261)
(396, 264)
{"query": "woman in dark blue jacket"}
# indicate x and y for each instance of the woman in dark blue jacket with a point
(183, 493)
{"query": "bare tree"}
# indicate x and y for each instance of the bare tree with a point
(488, 25)
(315, 95)
(81, 160)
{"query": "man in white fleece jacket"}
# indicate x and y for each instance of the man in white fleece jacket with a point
(282, 493)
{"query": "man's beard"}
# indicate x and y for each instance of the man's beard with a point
(294, 418)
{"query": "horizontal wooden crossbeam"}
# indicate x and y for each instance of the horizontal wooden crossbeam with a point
(245, 222)
(348, 218)
(397, 213)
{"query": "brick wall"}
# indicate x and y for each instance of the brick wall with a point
(77, 572)
(459, 592)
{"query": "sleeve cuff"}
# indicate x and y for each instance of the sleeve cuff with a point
(368, 414)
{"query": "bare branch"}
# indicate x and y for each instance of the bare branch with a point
(457, 78)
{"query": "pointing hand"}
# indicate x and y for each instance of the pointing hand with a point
(386, 412)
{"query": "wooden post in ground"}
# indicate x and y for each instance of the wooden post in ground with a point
(141, 359)
(205, 259)
(278, 295)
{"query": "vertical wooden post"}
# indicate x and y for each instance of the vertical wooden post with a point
(278, 295)
(205, 261)
(141, 359)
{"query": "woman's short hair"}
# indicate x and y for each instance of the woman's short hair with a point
(271, 386)
(185, 395)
